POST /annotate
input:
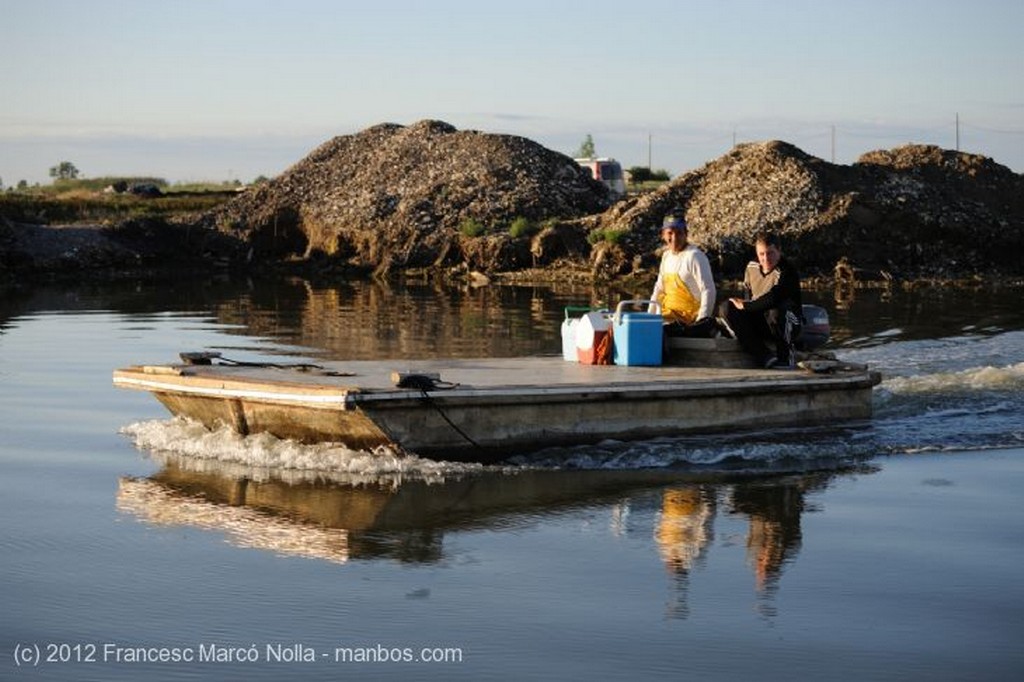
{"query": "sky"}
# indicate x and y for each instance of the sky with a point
(215, 90)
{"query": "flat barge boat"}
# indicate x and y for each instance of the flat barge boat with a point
(488, 409)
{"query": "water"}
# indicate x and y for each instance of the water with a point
(888, 549)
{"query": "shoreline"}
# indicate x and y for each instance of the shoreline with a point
(34, 253)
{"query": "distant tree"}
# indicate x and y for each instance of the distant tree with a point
(22, 184)
(640, 173)
(260, 179)
(586, 150)
(645, 174)
(65, 170)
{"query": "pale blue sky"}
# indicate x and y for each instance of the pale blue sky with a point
(190, 90)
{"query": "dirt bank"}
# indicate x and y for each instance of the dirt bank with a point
(429, 197)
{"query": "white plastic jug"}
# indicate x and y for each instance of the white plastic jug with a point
(591, 330)
(569, 326)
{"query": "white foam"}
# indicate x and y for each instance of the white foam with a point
(288, 460)
(1008, 378)
(796, 446)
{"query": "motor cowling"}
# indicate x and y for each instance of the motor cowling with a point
(816, 330)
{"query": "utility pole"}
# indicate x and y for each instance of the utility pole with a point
(958, 131)
(833, 144)
(649, 151)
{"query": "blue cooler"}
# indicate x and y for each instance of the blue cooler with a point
(637, 337)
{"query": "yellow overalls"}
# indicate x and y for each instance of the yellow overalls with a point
(677, 303)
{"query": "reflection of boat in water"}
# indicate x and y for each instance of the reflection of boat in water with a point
(485, 410)
(407, 520)
(164, 505)
(338, 521)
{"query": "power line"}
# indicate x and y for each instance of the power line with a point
(1001, 131)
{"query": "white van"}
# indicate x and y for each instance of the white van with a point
(607, 171)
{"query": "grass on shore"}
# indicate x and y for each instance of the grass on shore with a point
(83, 205)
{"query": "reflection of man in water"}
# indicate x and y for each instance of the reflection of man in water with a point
(774, 537)
(684, 527)
(682, 532)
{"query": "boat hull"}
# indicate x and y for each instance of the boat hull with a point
(489, 409)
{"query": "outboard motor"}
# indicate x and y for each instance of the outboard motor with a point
(815, 331)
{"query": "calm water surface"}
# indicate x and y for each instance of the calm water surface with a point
(889, 549)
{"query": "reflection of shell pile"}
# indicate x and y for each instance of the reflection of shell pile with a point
(245, 527)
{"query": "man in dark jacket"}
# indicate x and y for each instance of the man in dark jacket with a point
(771, 309)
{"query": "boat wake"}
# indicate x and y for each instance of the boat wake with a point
(265, 456)
(791, 450)
(973, 380)
(956, 393)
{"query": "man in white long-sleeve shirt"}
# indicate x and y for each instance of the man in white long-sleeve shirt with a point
(685, 288)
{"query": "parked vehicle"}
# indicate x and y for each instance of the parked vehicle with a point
(608, 171)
